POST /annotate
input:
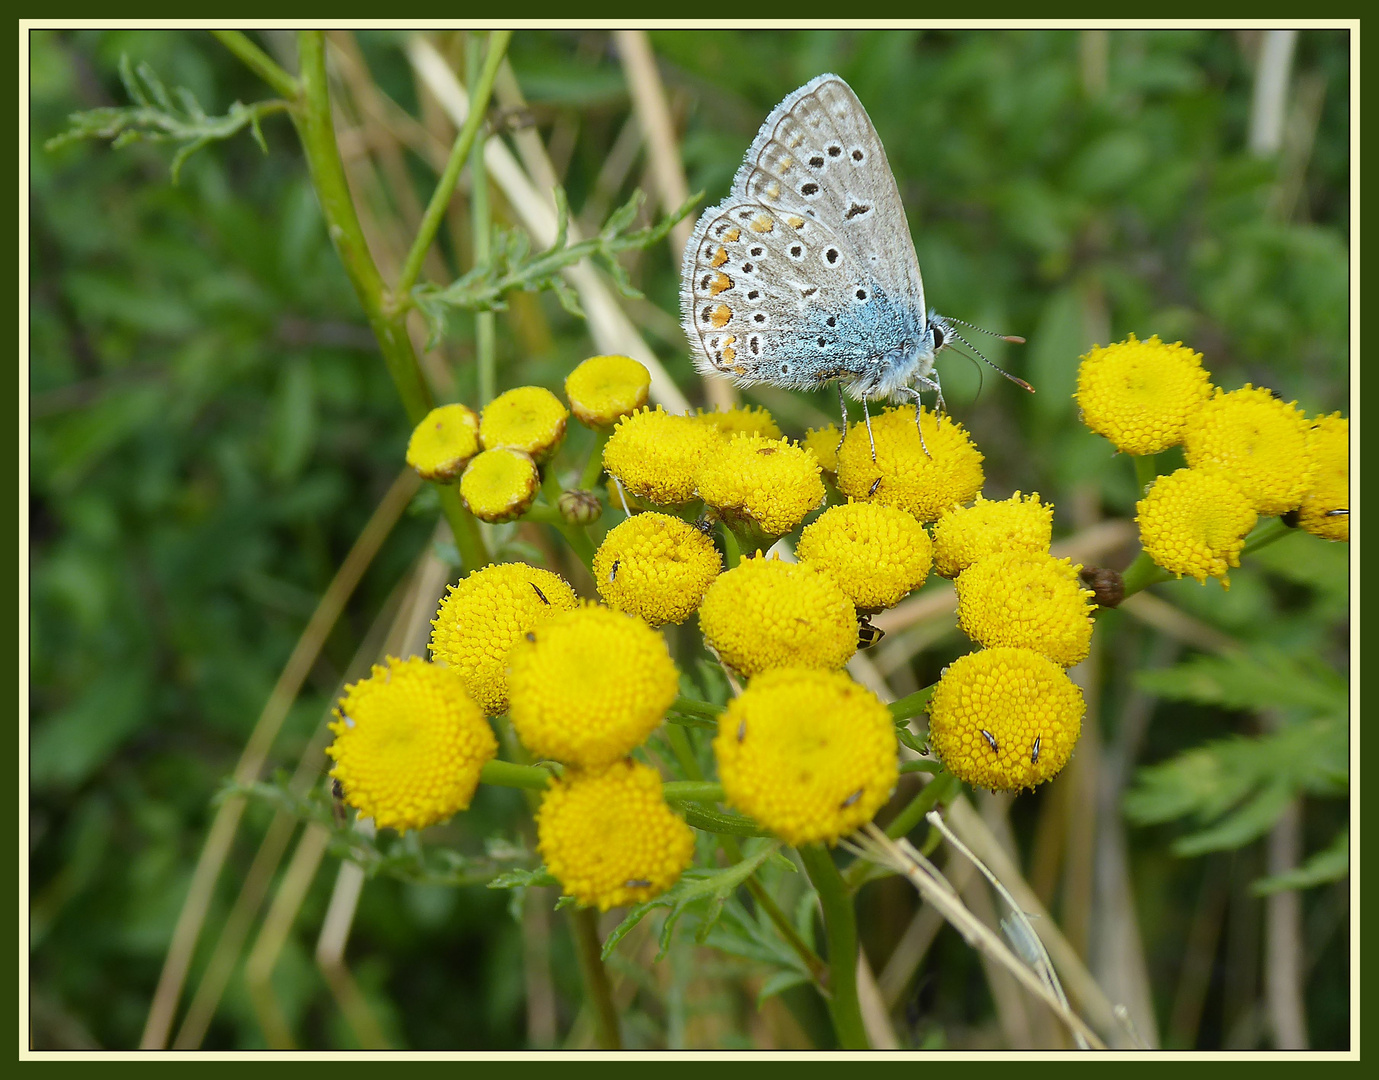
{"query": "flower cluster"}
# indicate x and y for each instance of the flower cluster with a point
(1249, 454)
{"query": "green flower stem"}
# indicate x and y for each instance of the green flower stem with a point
(1142, 573)
(694, 707)
(681, 791)
(593, 468)
(1273, 531)
(508, 774)
(840, 924)
(317, 132)
(723, 825)
(459, 154)
(911, 704)
(584, 923)
(683, 750)
(942, 788)
(1146, 471)
(485, 322)
(259, 62)
(921, 766)
(731, 550)
(577, 536)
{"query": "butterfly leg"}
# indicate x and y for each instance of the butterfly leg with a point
(919, 412)
(866, 414)
(843, 408)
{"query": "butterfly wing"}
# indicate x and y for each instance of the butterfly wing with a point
(807, 272)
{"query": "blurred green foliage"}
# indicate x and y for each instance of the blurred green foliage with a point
(211, 426)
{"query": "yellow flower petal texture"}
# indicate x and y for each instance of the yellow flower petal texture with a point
(528, 418)
(483, 616)
(747, 419)
(1256, 440)
(765, 484)
(1005, 718)
(656, 455)
(655, 566)
(499, 485)
(604, 389)
(765, 613)
(609, 837)
(589, 685)
(1193, 522)
(1325, 509)
(443, 442)
(902, 475)
(809, 754)
(964, 535)
(824, 442)
(1141, 394)
(1027, 599)
(409, 744)
(876, 553)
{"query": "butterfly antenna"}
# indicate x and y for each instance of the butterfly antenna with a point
(1008, 375)
(1012, 338)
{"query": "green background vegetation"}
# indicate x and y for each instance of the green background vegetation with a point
(211, 426)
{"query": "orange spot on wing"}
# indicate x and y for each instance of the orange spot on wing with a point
(720, 283)
(733, 235)
(721, 315)
(795, 222)
(719, 258)
(762, 224)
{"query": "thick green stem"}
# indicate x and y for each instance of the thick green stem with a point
(481, 219)
(584, 923)
(317, 131)
(593, 468)
(1146, 471)
(459, 154)
(508, 774)
(683, 750)
(911, 704)
(577, 536)
(731, 550)
(1142, 573)
(1270, 533)
(693, 707)
(840, 924)
(942, 788)
(259, 62)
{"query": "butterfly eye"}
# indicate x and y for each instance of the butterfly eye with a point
(938, 337)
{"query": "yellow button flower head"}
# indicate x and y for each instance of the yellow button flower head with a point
(529, 418)
(443, 442)
(767, 484)
(655, 566)
(605, 388)
(499, 485)
(964, 535)
(809, 754)
(765, 613)
(609, 837)
(409, 744)
(1027, 599)
(876, 553)
(656, 455)
(927, 487)
(1256, 440)
(1141, 394)
(824, 442)
(748, 419)
(589, 685)
(1004, 718)
(1195, 523)
(1328, 445)
(484, 615)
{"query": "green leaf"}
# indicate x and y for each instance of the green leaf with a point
(1251, 820)
(1262, 679)
(779, 983)
(522, 879)
(1330, 864)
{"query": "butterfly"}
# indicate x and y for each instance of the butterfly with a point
(806, 274)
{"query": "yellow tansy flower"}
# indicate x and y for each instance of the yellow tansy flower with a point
(484, 615)
(809, 754)
(655, 566)
(902, 475)
(1328, 445)
(1257, 441)
(767, 484)
(964, 535)
(443, 442)
(748, 419)
(605, 388)
(1141, 394)
(1005, 718)
(765, 613)
(609, 837)
(499, 485)
(656, 455)
(1193, 522)
(824, 442)
(589, 685)
(409, 744)
(529, 418)
(1027, 599)
(876, 553)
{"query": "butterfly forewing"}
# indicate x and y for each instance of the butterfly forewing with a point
(807, 272)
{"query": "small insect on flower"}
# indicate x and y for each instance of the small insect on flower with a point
(874, 485)
(337, 799)
(613, 573)
(637, 883)
(1034, 752)
(851, 799)
(742, 731)
(991, 740)
(539, 593)
(868, 635)
(705, 525)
